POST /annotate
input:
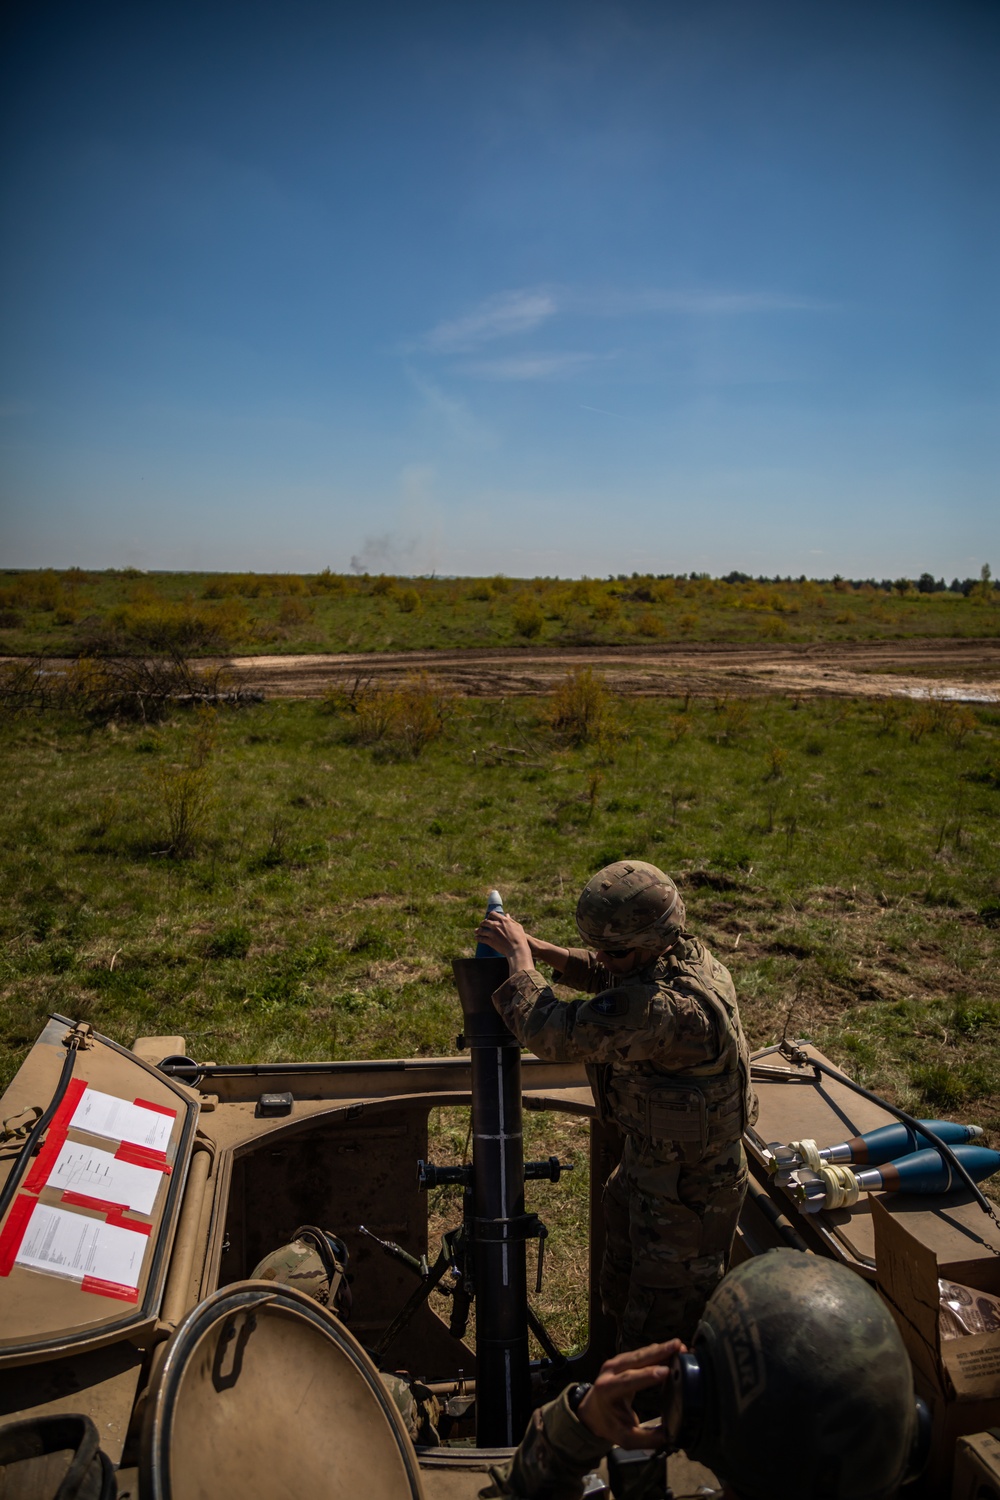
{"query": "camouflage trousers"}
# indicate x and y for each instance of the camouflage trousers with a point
(670, 1229)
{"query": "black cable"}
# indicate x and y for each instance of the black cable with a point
(39, 1128)
(942, 1147)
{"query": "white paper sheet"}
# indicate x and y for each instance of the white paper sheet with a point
(118, 1120)
(96, 1173)
(74, 1245)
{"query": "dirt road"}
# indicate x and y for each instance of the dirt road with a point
(963, 670)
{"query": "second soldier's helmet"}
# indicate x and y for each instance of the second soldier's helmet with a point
(630, 905)
(797, 1383)
(315, 1261)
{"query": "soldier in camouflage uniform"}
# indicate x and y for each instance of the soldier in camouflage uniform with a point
(668, 1064)
(804, 1388)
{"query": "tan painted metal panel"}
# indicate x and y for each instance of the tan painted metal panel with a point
(43, 1315)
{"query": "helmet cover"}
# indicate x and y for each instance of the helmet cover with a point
(630, 904)
(313, 1265)
(796, 1340)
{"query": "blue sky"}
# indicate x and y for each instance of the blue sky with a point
(561, 288)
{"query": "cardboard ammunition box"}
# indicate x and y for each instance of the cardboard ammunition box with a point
(977, 1467)
(958, 1378)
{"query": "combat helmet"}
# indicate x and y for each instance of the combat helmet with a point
(630, 904)
(797, 1382)
(315, 1261)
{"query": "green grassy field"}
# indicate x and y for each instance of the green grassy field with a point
(73, 612)
(269, 884)
(293, 879)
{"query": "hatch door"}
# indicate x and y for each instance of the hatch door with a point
(264, 1395)
(85, 1241)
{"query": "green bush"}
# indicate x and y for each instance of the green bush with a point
(402, 720)
(583, 708)
(528, 618)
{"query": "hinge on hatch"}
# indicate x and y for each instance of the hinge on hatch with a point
(80, 1036)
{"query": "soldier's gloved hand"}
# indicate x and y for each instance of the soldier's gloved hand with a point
(507, 937)
(606, 1409)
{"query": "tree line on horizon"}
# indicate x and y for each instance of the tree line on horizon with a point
(44, 587)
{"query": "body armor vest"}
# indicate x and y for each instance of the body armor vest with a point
(700, 1106)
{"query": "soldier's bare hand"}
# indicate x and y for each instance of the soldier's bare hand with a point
(508, 937)
(606, 1409)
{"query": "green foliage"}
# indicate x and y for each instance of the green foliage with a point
(399, 720)
(186, 796)
(735, 719)
(528, 618)
(170, 628)
(199, 614)
(294, 612)
(939, 1085)
(232, 941)
(184, 788)
(650, 624)
(328, 879)
(371, 941)
(777, 759)
(976, 1017)
(583, 709)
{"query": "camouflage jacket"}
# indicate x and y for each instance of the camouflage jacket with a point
(664, 1047)
(556, 1453)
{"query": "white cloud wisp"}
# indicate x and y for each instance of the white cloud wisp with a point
(517, 314)
(498, 317)
(529, 366)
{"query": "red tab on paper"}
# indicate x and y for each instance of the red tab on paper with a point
(143, 1156)
(56, 1136)
(116, 1216)
(13, 1232)
(160, 1109)
(100, 1205)
(45, 1161)
(74, 1093)
(113, 1212)
(109, 1289)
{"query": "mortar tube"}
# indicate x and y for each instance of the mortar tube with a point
(503, 1371)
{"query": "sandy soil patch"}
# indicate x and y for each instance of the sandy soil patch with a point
(959, 670)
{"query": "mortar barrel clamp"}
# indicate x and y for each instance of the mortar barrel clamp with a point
(430, 1176)
(546, 1171)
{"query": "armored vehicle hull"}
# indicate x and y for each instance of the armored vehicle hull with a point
(134, 1221)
